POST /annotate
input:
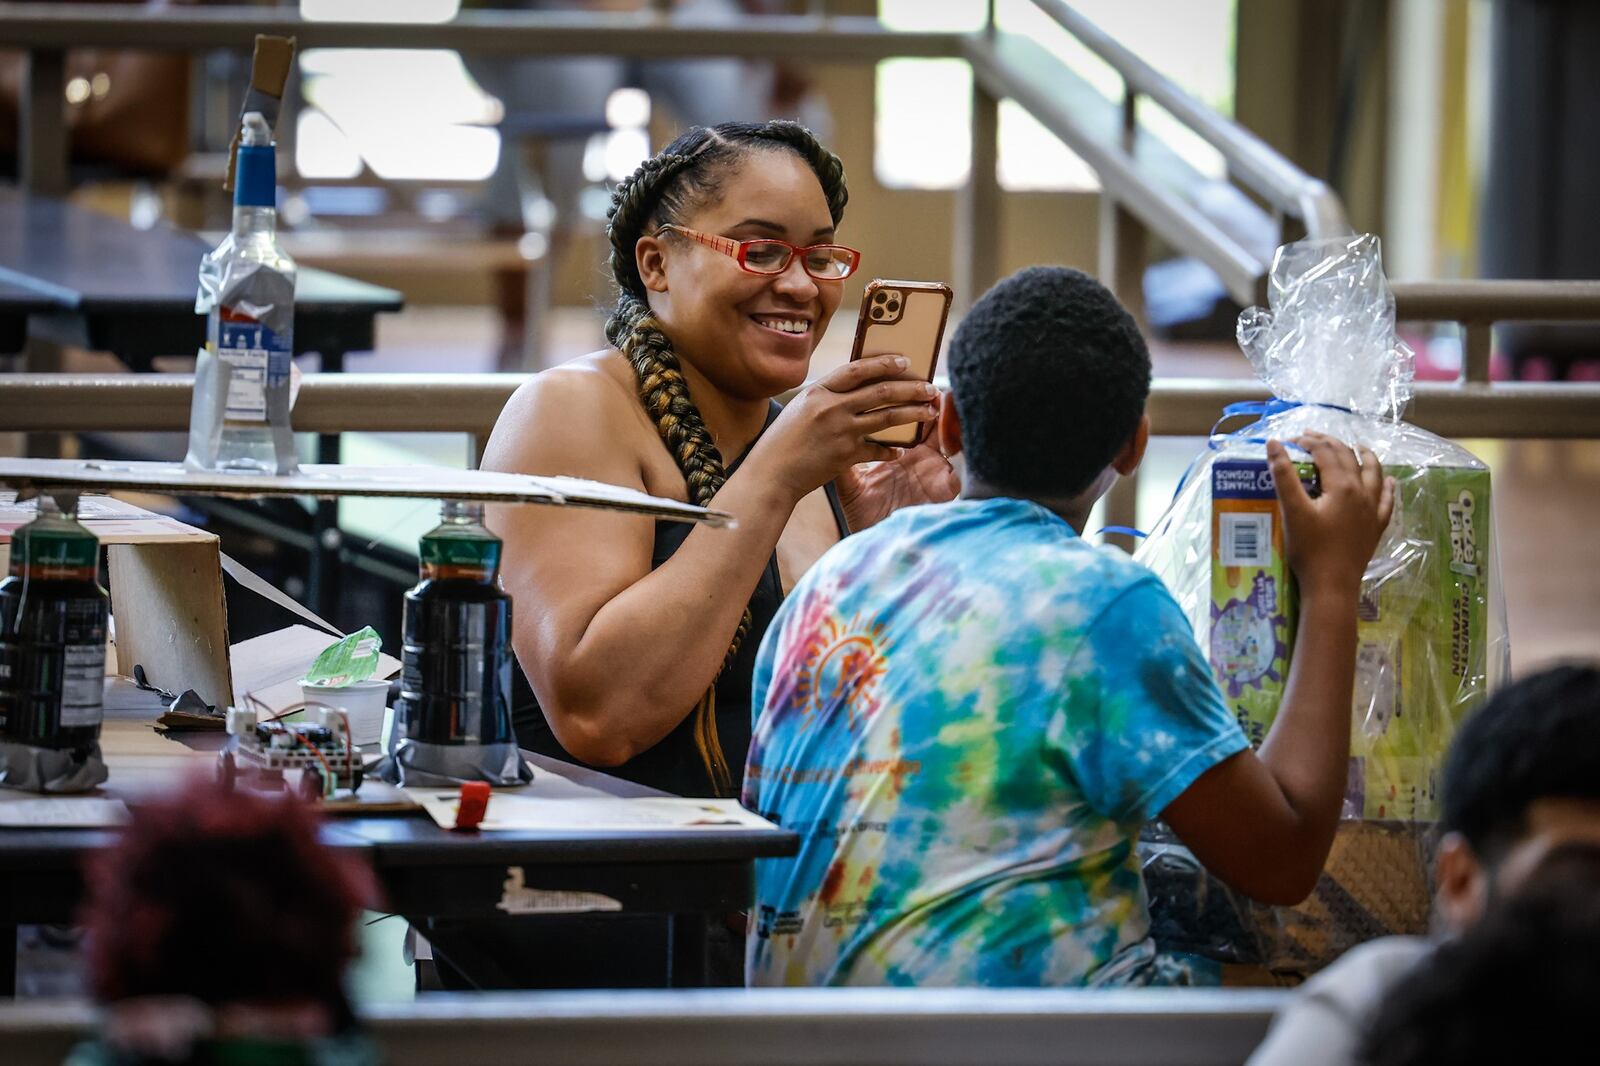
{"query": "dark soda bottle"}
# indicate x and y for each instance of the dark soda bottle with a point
(455, 686)
(53, 634)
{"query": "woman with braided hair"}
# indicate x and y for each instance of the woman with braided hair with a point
(638, 638)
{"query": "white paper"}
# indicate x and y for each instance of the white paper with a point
(112, 520)
(91, 508)
(513, 810)
(517, 898)
(66, 812)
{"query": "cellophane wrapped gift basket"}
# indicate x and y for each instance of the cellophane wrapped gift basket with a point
(1431, 621)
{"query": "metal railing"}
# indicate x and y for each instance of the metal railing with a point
(470, 403)
(1147, 189)
(775, 1027)
(1148, 186)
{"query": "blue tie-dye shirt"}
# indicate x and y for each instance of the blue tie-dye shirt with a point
(967, 713)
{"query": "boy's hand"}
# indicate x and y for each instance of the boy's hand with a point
(1329, 540)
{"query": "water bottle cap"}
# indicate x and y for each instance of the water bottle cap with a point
(255, 177)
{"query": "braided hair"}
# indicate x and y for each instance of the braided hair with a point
(663, 190)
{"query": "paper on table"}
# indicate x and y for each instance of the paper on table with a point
(509, 810)
(75, 812)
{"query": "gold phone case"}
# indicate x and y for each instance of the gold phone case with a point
(903, 318)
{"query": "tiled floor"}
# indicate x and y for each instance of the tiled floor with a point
(1547, 493)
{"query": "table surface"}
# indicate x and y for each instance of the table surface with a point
(427, 874)
(90, 263)
(142, 761)
(18, 299)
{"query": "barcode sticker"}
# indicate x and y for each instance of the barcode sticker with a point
(247, 384)
(83, 677)
(1246, 539)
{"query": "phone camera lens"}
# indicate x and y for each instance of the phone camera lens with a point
(877, 312)
(879, 296)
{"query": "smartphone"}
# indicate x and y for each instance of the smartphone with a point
(903, 318)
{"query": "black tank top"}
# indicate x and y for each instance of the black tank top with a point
(674, 765)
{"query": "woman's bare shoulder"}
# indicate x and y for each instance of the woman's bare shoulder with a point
(572, 419)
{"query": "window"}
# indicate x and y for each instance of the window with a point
(924, 106)
(405, 114)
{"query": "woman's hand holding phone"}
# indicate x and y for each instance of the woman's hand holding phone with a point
(870, 492)
(867, 424)
(908, 319)
(823, 431)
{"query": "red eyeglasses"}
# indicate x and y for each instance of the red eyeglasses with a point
(765, 255)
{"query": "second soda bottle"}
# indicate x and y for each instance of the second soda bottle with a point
(455, 687)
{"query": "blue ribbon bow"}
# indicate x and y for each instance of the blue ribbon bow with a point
(1262, 410)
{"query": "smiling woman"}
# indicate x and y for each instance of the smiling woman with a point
(637, 639)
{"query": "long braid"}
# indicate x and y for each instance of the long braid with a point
(655, 190)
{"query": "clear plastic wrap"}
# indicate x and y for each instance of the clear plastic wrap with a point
(1431, 621)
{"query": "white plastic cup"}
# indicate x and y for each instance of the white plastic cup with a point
(363, 702)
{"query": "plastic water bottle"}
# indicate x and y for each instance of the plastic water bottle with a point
(247, 292)
(455, 686)
(53, 634)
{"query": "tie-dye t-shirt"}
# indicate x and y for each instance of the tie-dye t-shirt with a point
(967, 713)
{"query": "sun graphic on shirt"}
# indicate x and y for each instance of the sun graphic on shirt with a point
(843, 666)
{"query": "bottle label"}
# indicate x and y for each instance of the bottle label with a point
(55, 553)
(83, 675)
(257, 359)
(478, 553)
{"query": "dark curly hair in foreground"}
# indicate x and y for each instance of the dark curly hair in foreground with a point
(225, 897)
(1537, 738)
(1518, 987)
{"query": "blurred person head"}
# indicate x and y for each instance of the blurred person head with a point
(1519, 986)
(1521, 780)
(218, 915)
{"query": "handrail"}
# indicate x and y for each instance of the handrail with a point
(1497, 301)
(1146, 185)
(37, 26)
(470, 403)
(1250, 159)
(773, 1027)
(1479, 305)
(1087, 123)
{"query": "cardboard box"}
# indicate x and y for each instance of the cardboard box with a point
(167, 603)
(1252, 594)
(1421, 661)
